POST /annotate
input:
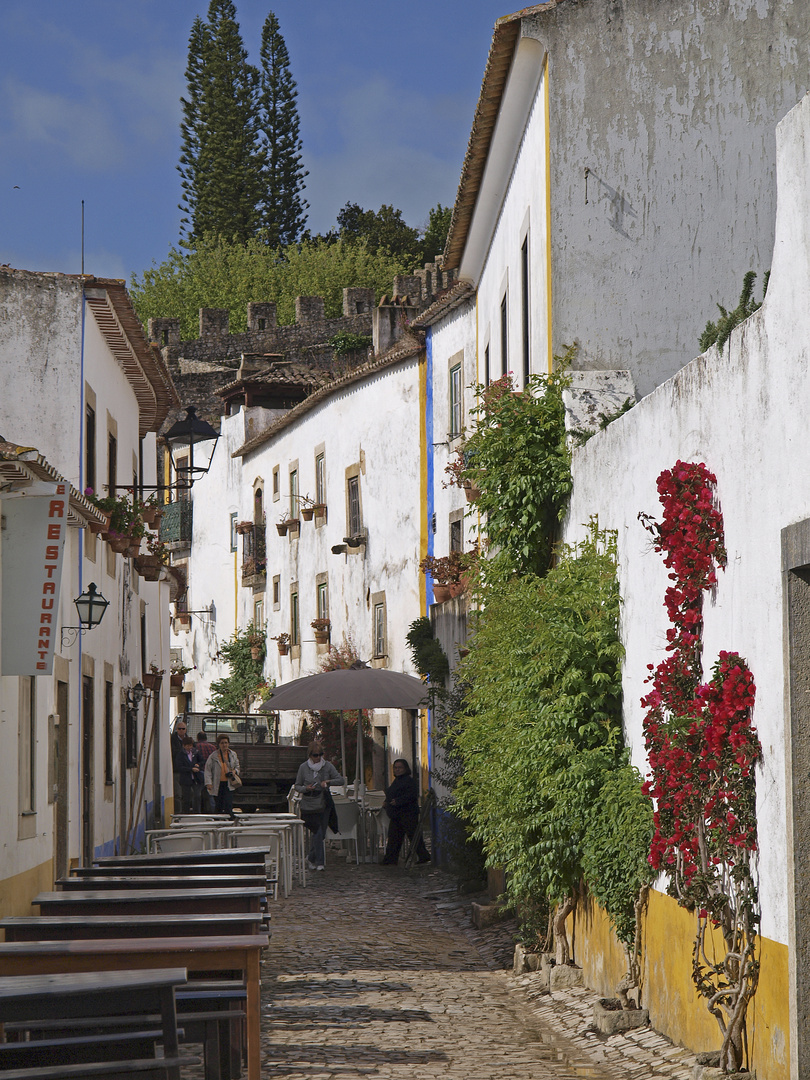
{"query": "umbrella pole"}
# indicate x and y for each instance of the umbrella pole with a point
(343, 748)
(360, 786)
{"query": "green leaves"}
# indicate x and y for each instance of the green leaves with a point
(234, 692)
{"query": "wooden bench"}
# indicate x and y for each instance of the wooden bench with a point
(133, 869)
(218, 855)
(145, 901)
(221, 953)
(162, 881)
(27, 999)
(179, 924)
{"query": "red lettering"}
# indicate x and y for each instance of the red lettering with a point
(52, 552)
(48, 587)
(41, 666)
(56, 508)
(44, 632)
(54, 532)
(47, 604)
(61, 490)
(46, 617)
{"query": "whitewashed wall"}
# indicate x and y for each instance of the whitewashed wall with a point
(743, 412)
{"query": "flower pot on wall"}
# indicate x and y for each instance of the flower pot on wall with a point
(151, 515)
(321, 637)
(282, 528)
(472, 493)
(152, 680)
(283, 649)
(176, 680)
(440, 593)
(119, 543)
(307, 512)
(255, 652)
(96, 528)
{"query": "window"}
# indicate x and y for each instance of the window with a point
(524, 314)
(353, 496)
(109, 776)
(455, 401)
(276, 592)
(456, 535)
(486, 366)
(294, 493)
(258, 506)
(295, 621)
(379, 629)
(276, 485)
(28, 745)
(131, 736)
(144, 666)
(112, 463)
(90, 447)
(323, 601)
(234, 542)
(504, 338)
(258, 615)
(320, 479)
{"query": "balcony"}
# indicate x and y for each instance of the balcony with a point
(254, 557)
(175, 524)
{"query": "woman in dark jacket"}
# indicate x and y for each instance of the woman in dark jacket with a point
(402, 807)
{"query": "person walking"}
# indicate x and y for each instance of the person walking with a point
(402, 806)
(222, 776)
(187, 767)
(313, 780)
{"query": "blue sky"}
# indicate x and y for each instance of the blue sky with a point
(89, 109)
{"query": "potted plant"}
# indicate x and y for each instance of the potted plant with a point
(257, 642)
(177, 676)
(152, 679)
(282, 525)
(150, 511)
(459, 470)
(243, 527)
(321, 628)
(283, 641)
(446, 571)
(307, 507)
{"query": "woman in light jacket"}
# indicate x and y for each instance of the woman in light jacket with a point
(313, 779)
(220, 769)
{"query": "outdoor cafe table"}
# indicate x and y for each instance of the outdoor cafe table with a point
(125, 869)
(167, 858)
(51, 927)
(215, 953)
(29, 998)
(146, 901)
(163, 881)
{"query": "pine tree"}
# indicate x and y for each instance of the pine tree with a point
(284, 208)
(220, 162)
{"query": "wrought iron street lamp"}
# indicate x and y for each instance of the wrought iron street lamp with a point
(90, 606)
(182, 438)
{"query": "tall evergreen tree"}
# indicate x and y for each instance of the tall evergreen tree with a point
(284, 208)
(220, 163)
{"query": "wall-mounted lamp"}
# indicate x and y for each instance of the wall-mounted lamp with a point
(134, 695)
(182, 437)
(91, 606)
(338, 549)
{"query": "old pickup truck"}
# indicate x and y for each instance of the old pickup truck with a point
(267, 769)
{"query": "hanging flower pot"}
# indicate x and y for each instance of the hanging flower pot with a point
(321, 637)
(100, 527)
(283, 649)
(134, 548)
(151, 513)
(471, 492)
(255, 652)
(176, 680)
(440, 593)
(152, 680)
(307, 512)
(282, 528)
(118, 542)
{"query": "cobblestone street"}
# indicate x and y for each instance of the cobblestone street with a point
(373, 972)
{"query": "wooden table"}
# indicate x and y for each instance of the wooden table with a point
(125, 869)
(144, 901)
(158, 880)
(33, 997)
(53, 927)
(166, 858)
(220, 953)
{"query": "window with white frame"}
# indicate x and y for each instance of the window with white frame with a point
(354, 519)
(323, 600)
(293, 493)
(295, 618)
(455, 401)
(379, 629)
(320, 479)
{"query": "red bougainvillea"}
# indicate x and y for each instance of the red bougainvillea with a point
(702, 750)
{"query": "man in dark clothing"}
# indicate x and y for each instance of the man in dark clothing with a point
(176, 743)
(188, 769)
(402, 807)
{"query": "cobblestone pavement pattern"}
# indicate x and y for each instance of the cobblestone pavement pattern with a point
(377, 972)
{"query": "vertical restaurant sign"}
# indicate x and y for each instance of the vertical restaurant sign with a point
(33, 545)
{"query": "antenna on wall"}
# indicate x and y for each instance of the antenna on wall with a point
(82, 237)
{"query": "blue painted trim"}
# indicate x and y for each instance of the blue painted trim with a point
(431, 504)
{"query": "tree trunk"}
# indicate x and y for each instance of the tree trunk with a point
(561, 953)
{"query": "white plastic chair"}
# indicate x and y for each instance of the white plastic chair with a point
(275, 860)
(180, 841)
(348, 815)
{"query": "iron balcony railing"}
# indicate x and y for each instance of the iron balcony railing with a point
(175, 524)
(254, 552)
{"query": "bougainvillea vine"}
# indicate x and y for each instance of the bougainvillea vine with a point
(702, 750)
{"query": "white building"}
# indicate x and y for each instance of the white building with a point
(81, 387)
(353, 448)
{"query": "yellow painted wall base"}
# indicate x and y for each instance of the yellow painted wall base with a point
(667, 991)
(17, 892)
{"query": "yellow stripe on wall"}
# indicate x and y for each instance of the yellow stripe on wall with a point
(547, 109)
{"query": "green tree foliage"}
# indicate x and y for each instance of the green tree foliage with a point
(518, 459)
(540, 731)
(225, 274)
(426, 651)
(234, 692)
(718, 333)
(436, 232)
(385, 230)
(221, 161)
(616, 848)
(284, 208)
